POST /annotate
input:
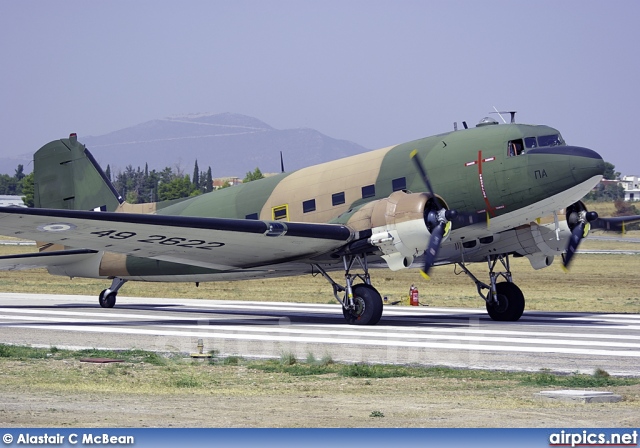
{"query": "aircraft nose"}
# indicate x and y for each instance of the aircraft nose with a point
(585, 163)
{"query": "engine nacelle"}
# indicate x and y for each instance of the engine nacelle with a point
(540, 261)
(543, 239)
(400, 227)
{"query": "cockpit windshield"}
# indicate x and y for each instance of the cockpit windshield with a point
(550, 140)
(521, 145)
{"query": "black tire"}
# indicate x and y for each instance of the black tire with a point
(510, 303)
(107, 300)
(368, 306)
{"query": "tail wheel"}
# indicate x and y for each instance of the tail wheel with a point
(107, 300)
(510, 304)
(368, 306)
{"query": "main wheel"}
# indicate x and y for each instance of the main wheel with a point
(107, 300)
(510, 304)
(368, 304)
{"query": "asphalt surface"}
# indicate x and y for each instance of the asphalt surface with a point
(465, 338)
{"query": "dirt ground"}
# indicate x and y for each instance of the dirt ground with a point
(237, 396)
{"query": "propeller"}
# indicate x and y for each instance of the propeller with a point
(578, 219)
(438, 219)
(439, 225)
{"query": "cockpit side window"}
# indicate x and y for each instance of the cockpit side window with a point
(515, 147)
(550, 140)
(530, 142)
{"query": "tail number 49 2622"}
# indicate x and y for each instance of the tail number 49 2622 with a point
(159, 239)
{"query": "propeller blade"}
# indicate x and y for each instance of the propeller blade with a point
(576, 236)
(423, 173)
(441, 219)
(433, 247)
(579, 220)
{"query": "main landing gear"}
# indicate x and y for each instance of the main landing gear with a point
(107, 297)
(361, 303)
(505, 301)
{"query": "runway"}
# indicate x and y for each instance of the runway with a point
(465, 338)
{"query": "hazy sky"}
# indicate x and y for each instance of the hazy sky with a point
(373, 72)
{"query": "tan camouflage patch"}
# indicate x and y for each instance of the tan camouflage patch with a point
(113, 265)
(320, 182)
(125, 207)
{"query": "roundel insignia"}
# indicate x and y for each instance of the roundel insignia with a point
(56, 227)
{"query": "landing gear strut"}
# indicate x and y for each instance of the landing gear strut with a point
(107, 297)
(505, 301)
(361, 303)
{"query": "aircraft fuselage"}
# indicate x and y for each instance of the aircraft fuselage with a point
(513, 173)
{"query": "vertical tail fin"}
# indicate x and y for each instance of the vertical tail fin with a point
(66, 176)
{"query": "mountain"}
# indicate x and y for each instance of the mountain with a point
(232, 144)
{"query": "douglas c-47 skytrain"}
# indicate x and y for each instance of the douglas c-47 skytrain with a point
(475, 195)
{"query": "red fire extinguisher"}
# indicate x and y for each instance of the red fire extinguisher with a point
(413, 296)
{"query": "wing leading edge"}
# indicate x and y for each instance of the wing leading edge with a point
(216, 243)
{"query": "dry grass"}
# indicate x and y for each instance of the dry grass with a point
(65, 392)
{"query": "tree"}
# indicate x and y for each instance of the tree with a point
(8, 185)
(28, 190)
(196, 176)
(610, 172)
(19, 173)
(257, 174)
(607, 192)
(107, 172)
(179, 187)
(209, 181)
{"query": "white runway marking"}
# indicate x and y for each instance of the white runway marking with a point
(460, 337)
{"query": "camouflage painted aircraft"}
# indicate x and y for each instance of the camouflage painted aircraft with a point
(493, 191)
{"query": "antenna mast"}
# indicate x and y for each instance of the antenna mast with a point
(511, 112)
(501, 117)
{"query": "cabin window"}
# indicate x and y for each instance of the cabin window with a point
(530, 142)
(309, 206)
(515, 148)
(251, 216)
(337, 198)
(280, 213)
(550, 140)
(369, 191)
(399, 184)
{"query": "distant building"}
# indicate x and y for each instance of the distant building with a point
(11, 201)
(631, 185)
(219, 182)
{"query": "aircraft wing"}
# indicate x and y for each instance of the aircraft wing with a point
(615, 223)
(216, 243)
